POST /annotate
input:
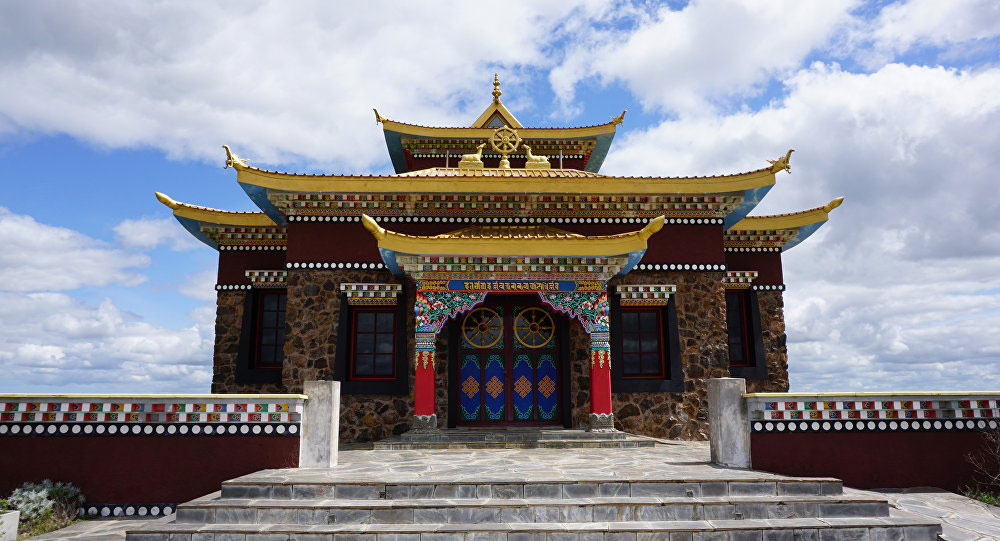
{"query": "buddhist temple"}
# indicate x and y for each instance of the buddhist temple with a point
(499, 278)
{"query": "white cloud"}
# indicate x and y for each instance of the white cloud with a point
(280, 82)
(40, 257)
(903, 25)
(900, 288)
(147, 233)
(200, 286)
(686, 59)
(53, 341)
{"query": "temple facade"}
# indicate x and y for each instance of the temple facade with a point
(498, 278)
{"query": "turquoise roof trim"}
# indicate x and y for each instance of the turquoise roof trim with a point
(804, 233)
(194, 227)
(751, 198)
(258, 195)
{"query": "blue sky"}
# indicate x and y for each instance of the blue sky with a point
(893, 105)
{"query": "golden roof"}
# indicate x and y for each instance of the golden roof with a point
(453, 180)
(510, 241)
(216, 216)
(791, 220)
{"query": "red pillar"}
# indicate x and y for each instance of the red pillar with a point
(600, 381)
(423, 387)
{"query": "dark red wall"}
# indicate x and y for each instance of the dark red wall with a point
(141, 469)
(767, 265)
(871, 459)
(234, 264)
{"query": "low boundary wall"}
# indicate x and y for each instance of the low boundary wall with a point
(142, 454)
(871, 440)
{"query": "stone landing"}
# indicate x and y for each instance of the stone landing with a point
(661, 492)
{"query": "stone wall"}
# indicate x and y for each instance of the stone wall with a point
(700, 301)
(772, 326)
(312, 316)
(228, 325)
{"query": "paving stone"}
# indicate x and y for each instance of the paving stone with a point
(235, 516)
(357, 492)
(392, 516)
(753, 488)
(746, 535)
(276, 515)
(887, 534)
(779, 535)
(798, 489)
(508, 492)
(543, 490)
(844, 534)
(580, 490)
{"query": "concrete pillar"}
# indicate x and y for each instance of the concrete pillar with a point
(728, 425)
(320, 425)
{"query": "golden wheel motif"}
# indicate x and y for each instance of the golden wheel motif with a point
(505, 140)
(482, 328)
(534, 327)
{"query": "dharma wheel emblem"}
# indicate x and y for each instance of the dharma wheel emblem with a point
(534, 327)
(482, 328)
(505, 141)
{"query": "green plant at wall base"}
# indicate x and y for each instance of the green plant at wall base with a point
(45, 506)
(991, 498)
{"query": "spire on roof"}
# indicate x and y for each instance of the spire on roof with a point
(496, 88)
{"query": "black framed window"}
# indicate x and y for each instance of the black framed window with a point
(262, 337)
(743, 334)
(645, 348)
(372, 355)
(737, 328)
(270, 332)
(373, 344)
(642, 343)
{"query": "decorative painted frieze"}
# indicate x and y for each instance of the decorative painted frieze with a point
(645, 294)
(434, 308)
(511, 268)
(831, 412)
(739, 279)
(267, 278)
(251, 247)
(371, 294)
(506, 220)
(758, 241)
(568, 207)
(107, 415)
(589, 307)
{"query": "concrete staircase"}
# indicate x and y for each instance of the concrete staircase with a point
(306, 505)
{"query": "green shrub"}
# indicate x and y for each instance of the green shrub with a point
(45, 506)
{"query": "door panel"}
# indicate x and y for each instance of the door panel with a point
(509, 366)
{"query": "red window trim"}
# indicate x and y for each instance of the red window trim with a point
(354, 343)
(659, 340)
(259, 328)
(744, 324)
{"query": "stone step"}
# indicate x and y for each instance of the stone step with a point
(305, 487)
(820, 529)
(464, 434)
(393, 444)
(225, 511)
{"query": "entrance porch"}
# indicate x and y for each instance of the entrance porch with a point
(505, 364)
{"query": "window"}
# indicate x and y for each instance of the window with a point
(737, 321)
(373, 344)
(642, 343)
(645, 348)
(270, 330)
(746, 344)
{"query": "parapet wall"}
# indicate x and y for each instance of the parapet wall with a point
(872, 440)
(143, 454)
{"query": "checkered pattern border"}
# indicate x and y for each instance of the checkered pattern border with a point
(739, 279)
(371, 294)
(267, 278)
(882, 413)
(89, 415)
(645, 294)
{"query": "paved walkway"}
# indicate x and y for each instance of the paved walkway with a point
(963, 519)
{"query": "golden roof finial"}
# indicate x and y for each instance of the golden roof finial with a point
(496, 88)
(166, 200)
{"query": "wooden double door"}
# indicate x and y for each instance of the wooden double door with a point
(507, 367)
